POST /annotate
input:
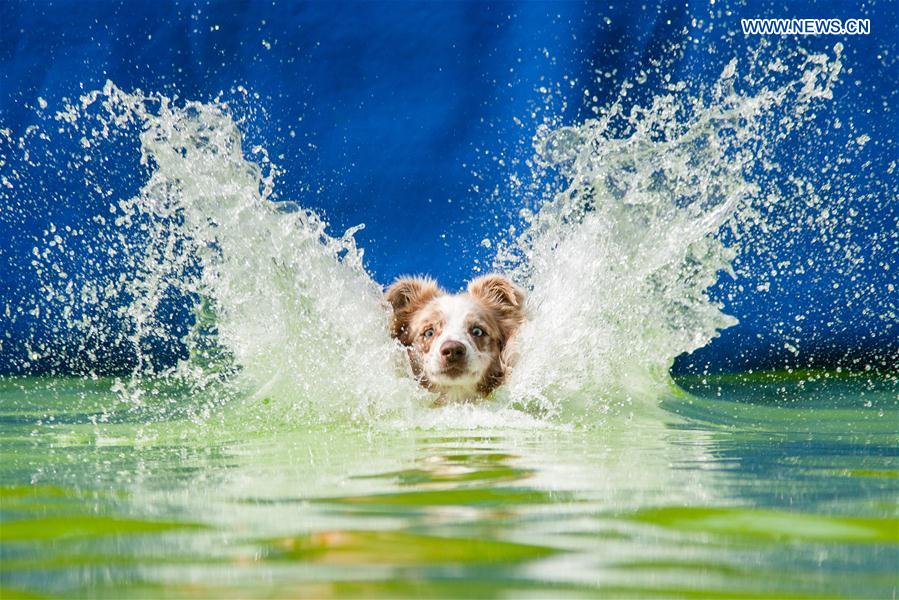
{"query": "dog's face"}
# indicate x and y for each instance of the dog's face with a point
(457, 343)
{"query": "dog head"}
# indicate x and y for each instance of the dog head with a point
(457, 343)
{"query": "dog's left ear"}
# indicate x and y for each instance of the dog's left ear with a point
(499, 292)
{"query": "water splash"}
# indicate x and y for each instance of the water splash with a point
(283, 311)
(288, 324)
(620, 260)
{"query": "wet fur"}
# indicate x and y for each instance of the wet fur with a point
(492, 302)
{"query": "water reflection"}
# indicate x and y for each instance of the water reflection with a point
(705, 498)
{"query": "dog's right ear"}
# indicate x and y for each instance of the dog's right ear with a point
(407, 295)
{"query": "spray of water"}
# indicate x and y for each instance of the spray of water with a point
(619, 261)
(284, 311)
(288, 324)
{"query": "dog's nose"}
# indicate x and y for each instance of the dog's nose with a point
(452, 351)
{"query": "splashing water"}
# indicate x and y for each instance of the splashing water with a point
(276, 296)
(618, 262)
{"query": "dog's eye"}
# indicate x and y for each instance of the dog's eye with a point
(477, 332)
(428, 333)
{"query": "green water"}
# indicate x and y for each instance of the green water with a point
(760, 486)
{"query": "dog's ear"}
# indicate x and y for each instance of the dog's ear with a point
(499, 292)
(407, 295)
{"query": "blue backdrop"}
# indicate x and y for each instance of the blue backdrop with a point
(407, 117)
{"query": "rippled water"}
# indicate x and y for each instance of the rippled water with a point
(767, 486)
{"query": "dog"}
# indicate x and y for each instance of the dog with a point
(459, 345)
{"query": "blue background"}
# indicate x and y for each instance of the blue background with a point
(403, 117)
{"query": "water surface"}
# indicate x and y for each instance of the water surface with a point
(779, 485)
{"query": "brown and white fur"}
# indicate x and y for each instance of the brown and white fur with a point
(459, 345)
